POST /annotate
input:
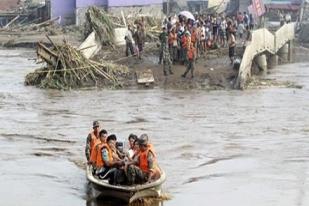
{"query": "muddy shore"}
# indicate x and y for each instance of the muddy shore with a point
(213, 70)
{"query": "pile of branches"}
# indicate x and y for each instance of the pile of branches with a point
(73, 70)
(99, 21)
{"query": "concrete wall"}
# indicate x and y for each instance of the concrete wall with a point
(154, 10)
(86, 3)
(125, 3)
(149, 7)
(8, 4)
(65, 9)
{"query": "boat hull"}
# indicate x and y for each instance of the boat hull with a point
(126, 193)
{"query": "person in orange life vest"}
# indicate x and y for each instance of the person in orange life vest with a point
(105, 160)
(92, 139)
(144, 168)
(191, 59)
(194, 36)
(97, 148)
(144, 137)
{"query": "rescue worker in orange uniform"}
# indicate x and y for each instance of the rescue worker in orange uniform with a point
(191, 61)
(92, 140)
(144, 168)
(97, 148)
(106, 164)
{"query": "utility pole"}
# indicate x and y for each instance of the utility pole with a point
(167, 7)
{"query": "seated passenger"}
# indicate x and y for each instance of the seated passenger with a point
(149, 145)
(96, 148)
(132, 138)
(144, 168)
(107, 162)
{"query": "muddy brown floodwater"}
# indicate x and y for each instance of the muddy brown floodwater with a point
(217, 147)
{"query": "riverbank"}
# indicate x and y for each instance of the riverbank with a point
(212, 71)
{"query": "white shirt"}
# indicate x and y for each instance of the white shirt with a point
(203, 33)
(129, 36)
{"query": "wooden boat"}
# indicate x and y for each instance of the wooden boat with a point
(126, 193)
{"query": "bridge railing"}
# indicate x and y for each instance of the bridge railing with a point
(284, 34)
(262, 40)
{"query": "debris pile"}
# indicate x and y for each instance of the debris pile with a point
(98, 20)
(68, 68)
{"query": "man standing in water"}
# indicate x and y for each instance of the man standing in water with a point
(92, 139)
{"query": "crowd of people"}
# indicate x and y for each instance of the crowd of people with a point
(109, 161)
(184, 39)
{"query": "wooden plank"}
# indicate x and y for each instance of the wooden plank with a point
(11, 22)
(145, 76)
(47, 55)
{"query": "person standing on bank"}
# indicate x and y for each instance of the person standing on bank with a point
(93, 139)
(232, 44)
(167, 61)
(129, 41)
(191, 56)
(163, 37)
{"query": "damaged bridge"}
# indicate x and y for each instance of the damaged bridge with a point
(266, 49)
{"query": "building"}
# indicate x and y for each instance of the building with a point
(6, 5)
(73, 11)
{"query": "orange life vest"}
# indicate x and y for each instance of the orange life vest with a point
(94, 153)
(188, 42)
(94, 140)
(191, 53)
(143, 160)
(99, 160)
(193, 37)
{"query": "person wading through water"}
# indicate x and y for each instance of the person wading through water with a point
(92, 140)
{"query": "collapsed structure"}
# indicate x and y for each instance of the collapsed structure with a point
(68, 67)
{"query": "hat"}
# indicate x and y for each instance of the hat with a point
(143, 139)
(95, 124)
(188, 33)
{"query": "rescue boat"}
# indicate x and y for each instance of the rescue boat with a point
(126, 193)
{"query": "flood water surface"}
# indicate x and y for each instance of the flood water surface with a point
(217, 148)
